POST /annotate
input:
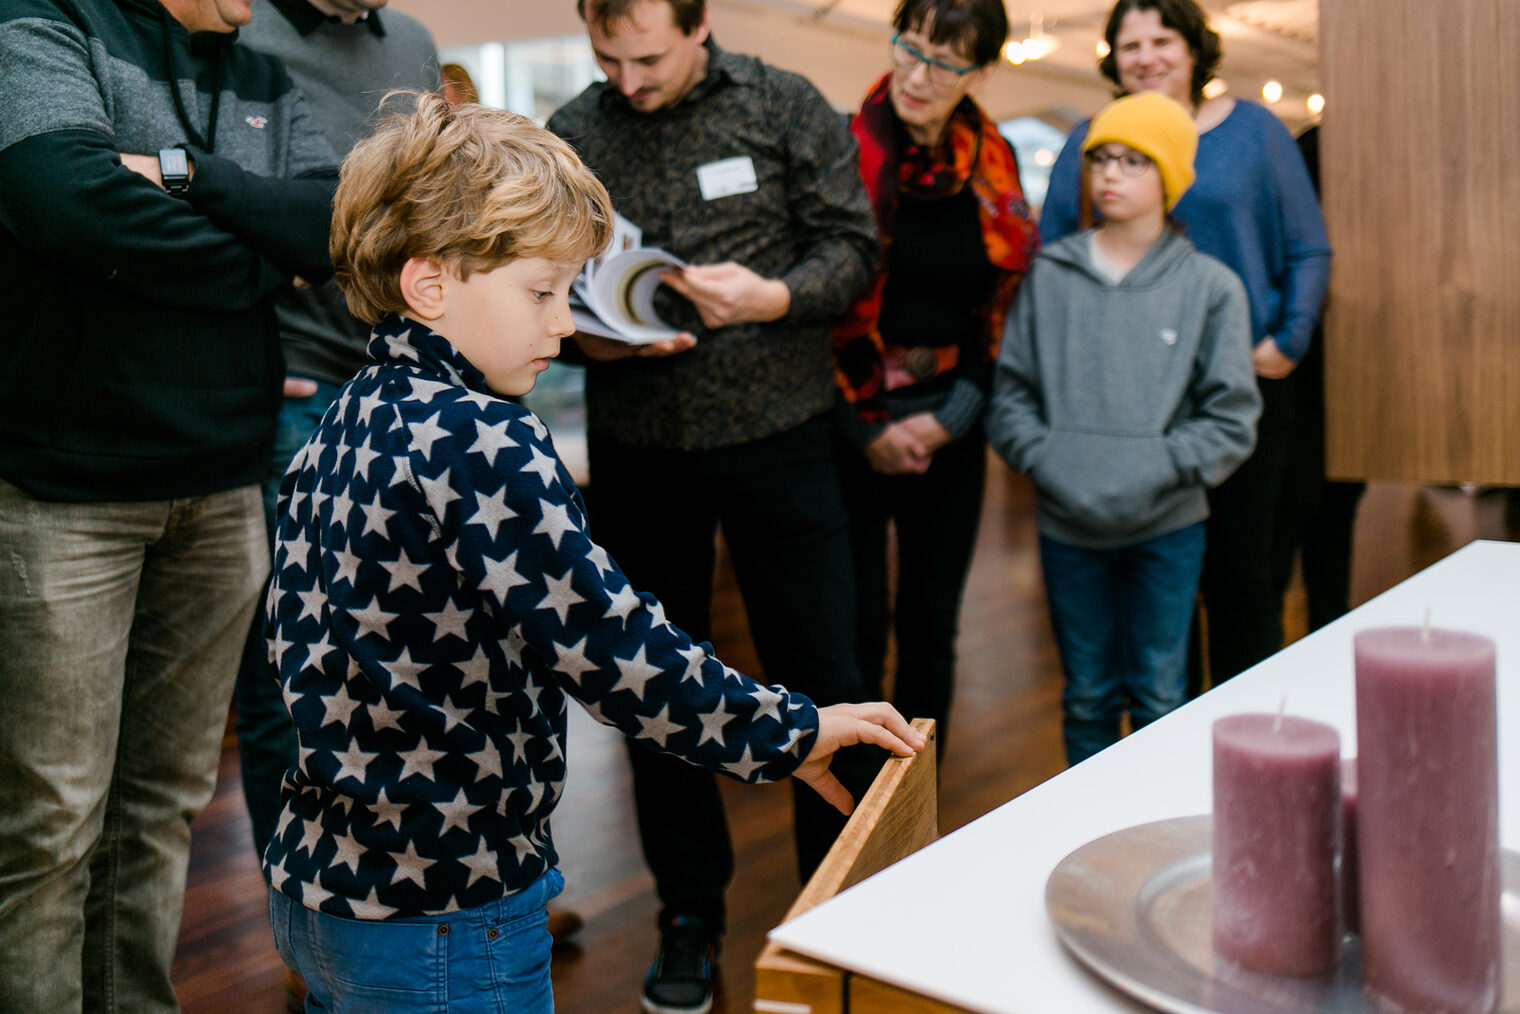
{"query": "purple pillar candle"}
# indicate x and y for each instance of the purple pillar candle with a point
(1428, 819)
(1277, 805)
(1349, 902)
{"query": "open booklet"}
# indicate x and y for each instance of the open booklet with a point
(613, 297)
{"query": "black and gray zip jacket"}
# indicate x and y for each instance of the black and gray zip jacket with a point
(142, 359)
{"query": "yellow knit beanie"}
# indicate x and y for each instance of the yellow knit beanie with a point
(1154, 125)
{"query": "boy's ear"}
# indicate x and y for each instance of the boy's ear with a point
(422, 286)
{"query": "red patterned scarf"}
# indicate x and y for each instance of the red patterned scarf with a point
(973, 152)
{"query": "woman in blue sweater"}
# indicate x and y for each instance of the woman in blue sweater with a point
(1253, 208)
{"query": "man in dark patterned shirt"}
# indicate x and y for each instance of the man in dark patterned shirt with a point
(745, 173)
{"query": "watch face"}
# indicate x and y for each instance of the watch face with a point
(173, 162)
(174, 168)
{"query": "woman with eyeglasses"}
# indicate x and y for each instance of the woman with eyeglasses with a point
(914, 354)
(1252, 207)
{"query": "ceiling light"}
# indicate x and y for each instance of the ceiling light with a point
(1272, 91)
(1215, 87)
(1315, 103)
(1102, 48)
(1044, 156)
(1035, 46)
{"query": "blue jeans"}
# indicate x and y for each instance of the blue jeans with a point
(492, 960)
(1121, 619)
(266, 737)
(120, 626)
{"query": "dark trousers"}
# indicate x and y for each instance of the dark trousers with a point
(935, 516)
(777, 500)
(1240, 596)
(1318, 516)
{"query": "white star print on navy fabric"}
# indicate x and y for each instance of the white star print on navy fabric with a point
(745, 767)
(410, 866)
(544, 465)
(342, 507)
(406, 672)
(694, 658)
(363, 455)
(338, 707)
(561, 596)
(404, 573)
(439, 492)
(491, 439)
(659, 728)
(348, 567)
(424, 434)
(448, 621)
(369, 907)
(572, 661)
(502, 576)
(456, 813)
(556, 521)
(349, 852)
(635, 673)
(713, 723)
(623, 603)
(436, 600)
(419, 761)
(376, 517)
(481, 864)
(492, 511)
(487, 762)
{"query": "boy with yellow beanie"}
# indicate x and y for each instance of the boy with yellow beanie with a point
(1124, 389)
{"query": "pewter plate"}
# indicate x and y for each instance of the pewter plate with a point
(1134, 906)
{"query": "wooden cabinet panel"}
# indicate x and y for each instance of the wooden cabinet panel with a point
(1420, 171)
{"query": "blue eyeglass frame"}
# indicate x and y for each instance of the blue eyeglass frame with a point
(912, 51)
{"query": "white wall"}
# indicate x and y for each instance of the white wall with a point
(842, 61)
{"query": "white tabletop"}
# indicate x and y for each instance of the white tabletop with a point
(964, 920)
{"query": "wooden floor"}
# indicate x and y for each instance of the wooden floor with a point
(1005, 738)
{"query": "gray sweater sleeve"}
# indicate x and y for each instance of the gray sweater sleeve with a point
(1016, 426)
(962, 408)
(1221, 433)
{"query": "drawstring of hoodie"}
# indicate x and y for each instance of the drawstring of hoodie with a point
(207, 143)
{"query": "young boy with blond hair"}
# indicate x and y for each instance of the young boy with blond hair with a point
(1124, 388)
(436, 599)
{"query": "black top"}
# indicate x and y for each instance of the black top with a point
(938, 274)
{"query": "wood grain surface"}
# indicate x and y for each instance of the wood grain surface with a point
(1420, 158)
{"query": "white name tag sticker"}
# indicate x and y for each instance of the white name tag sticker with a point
(727, 177)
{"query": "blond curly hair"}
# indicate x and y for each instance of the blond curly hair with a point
(468, 186)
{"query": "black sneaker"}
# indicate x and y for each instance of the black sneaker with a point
(681, 979)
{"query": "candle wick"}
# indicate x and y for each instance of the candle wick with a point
(1281, 707)
(1425, 630)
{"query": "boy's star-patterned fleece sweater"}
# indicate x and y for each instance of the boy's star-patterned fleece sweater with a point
(435, 599)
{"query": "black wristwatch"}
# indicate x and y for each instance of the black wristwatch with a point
(174, 168)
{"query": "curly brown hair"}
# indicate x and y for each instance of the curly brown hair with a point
(1185, 18)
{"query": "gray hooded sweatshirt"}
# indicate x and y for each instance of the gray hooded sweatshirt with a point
(1125, 401)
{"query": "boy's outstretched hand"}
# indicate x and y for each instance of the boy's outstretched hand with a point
(845, 725)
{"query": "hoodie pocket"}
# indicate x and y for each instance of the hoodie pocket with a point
(1105, 482)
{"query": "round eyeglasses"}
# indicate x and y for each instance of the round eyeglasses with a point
(1131, 163)
(908, 57)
